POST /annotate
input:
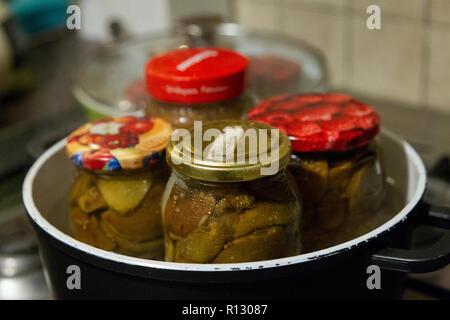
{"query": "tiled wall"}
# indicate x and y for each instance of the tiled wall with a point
(408, 60)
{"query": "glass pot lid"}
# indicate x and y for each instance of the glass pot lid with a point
(111, 80)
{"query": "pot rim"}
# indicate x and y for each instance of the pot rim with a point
(40, 221)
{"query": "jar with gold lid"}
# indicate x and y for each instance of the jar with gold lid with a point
(114, 203)
(335, 161)
(229, 198)
(191, 84)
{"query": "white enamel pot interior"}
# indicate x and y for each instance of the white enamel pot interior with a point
(47, 184)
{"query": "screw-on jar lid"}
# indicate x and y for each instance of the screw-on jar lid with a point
(228, 151)
(320, 122)
(125, 142)
(196, 75)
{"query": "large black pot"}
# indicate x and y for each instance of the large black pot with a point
(343, 271)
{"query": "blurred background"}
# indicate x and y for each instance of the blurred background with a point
(54, 78)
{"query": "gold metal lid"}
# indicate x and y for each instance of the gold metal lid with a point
(228, 151)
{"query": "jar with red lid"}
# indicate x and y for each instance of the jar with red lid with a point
(335, 161)
(197, 84)
(114, 202)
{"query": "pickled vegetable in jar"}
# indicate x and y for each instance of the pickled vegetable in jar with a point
(197, 84)
(114, 202)
(217, 209)
(335, 161)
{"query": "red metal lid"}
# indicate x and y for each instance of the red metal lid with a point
(125, 142)
(196, 75)
(320, 122)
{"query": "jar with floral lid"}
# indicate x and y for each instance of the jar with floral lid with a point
(114, 202)
(227, 201)
(335, 161)
(197, 84)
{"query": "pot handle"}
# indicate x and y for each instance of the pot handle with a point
(420, 260)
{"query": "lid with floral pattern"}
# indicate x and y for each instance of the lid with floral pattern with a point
(126, 142)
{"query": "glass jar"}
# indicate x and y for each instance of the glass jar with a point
(114, 202)
(197, 84)
(335, 161)
(217, 211)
